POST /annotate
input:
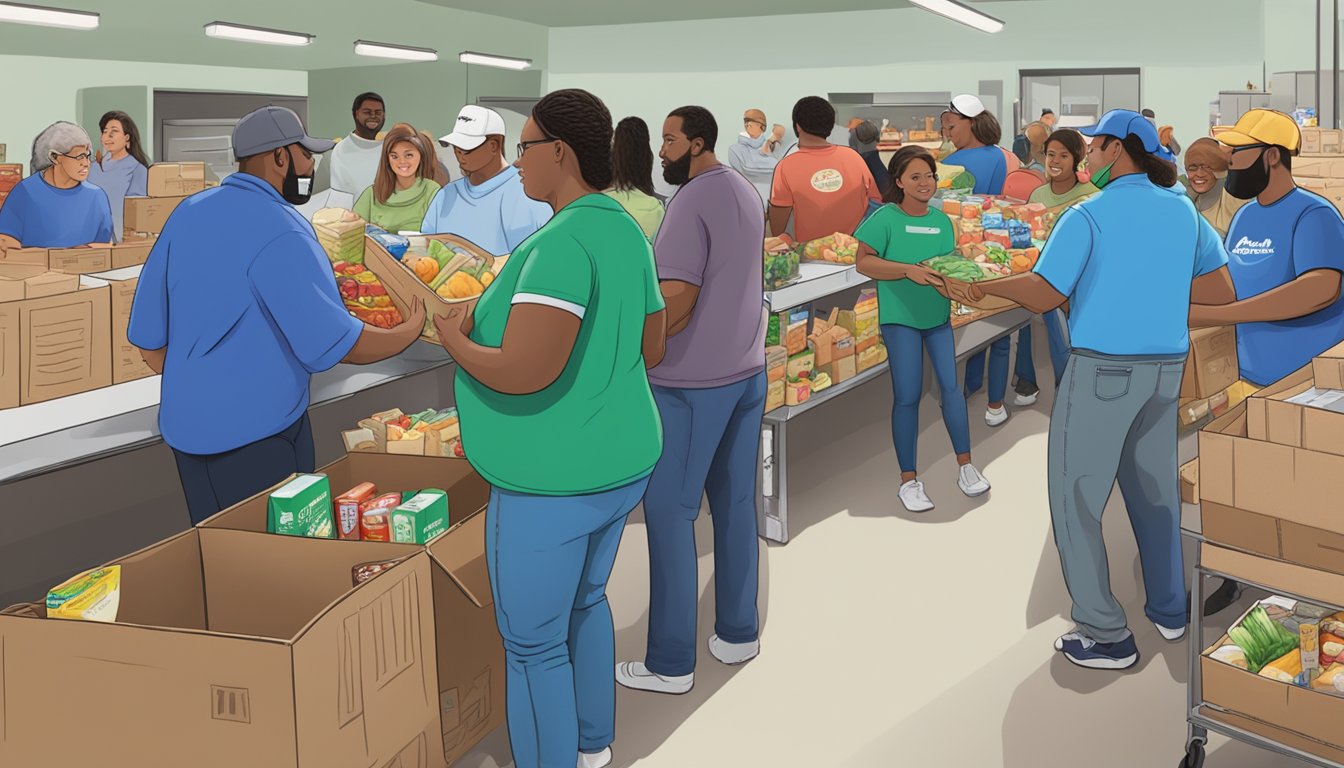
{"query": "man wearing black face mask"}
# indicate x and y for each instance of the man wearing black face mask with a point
(251, 312)
(1285, 255)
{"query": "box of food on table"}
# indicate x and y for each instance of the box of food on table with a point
(432, 432)
(962, 272)
(148, 215)
(54, 344)
(179, 179)
(441, 270)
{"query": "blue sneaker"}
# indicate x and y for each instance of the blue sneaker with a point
(1086, 652)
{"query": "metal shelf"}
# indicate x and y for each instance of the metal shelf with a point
(816, 281)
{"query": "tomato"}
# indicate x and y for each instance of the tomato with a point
(377, 290)
(356, 269)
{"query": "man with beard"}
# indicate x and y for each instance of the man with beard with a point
(823, 187)
(354, 162)
(1285, 255)
(710, 391)
(250, 312)
(487, 205)
(757, 152)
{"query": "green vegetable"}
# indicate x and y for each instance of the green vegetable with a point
(957, 268)
(1262, 639)
(440, 253)
(964, 181)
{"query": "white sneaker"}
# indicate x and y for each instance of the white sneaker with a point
(635, 676)
(1022, 401)
(600, 760)
(733, 653)
(914, 498)
(996, 416)
(972, 483)
(1170, 635)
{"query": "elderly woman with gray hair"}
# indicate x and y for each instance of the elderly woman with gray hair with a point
(55, 207)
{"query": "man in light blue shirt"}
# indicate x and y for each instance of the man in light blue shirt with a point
(1115, 416)
(237, 307)
(487, 206)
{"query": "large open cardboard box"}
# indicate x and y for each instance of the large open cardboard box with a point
(1269, 707)
(402, 283)
(231, 650)
(470, 651)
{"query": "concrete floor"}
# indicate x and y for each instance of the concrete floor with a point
(892, 639)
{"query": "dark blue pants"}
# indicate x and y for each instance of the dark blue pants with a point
(711, 447)
(216, 482)
(905, 356)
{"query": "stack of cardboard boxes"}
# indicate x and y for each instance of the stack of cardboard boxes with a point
(1320, 167)
(10, 176)
(168, 185)
(842, 344)
(1268, 488)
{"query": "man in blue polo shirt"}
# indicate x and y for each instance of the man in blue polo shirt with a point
(1115, 414)
(237, 307)
(1286, 255)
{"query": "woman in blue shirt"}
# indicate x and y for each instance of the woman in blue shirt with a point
(121, 169)
(55, 207)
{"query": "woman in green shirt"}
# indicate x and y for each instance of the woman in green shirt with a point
(405, 185)
(632, 168)
(557, 414)
(894, 241)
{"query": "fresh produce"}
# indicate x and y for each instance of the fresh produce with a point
(780, 269)
(957, 268)
(954, 177)
(1284, 669)
(1230, 654)
(461, 285)
(1263, 640)
(832, 249)
(365, 296)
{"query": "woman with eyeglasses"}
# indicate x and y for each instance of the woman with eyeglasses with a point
(557, 414)
(121, 167)
(56, 207)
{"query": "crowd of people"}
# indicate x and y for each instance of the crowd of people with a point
(613, 361)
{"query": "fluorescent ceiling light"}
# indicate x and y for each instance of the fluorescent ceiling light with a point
(963, 13)
(489, 60)
(385, 51)
(47, 17)
(255, 34)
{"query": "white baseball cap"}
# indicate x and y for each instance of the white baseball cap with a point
(474, 124)
(967, 105)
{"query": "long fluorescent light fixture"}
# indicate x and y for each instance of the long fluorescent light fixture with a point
(225, 31)
(47, 17)
(490, 60)
(404, 52)
(961, 13)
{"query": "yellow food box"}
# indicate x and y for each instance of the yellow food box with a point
(91, 596)
(774, 395)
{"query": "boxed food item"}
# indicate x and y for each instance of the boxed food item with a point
(1211, 366)
(234, 649)
(34, 257)
(451, 286)
(842, 369)
(470, 653)
(348, 507)
(774, 395)
(91, 596)
(341, 234)
(55, 346)
(80, 261)
(1190, 482)
(421, 519)
(50, 284)
(375, 517)
(801, 364)
(797, 391)
(302, 507)
(870, 357)
(178, 179)
(148, 214)
(776, 363)
(131, 253)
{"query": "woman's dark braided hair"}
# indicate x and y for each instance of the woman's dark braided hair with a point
(1160, 172)
(581, 120)
(632, 156)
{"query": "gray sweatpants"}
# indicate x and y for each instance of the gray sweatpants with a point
(1115, 418)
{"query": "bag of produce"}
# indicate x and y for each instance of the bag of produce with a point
(781, 269)
(839, 248)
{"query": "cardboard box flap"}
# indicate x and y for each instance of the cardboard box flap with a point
(1309, 583)
(163, 586)
(461, 554)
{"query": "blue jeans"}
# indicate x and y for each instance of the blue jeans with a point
(711, 447)
(998, 370)
(905, 355)
(549, 559)
(1059, 349)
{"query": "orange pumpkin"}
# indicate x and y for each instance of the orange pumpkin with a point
(426, 269)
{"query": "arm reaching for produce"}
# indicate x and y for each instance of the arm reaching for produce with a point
(376, 344)
(1311, 292)
(538, 342)
(680, 297)
(1029, 290)
(655, 338)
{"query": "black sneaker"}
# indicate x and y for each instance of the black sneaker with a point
(1027, 392)
(1222, 598)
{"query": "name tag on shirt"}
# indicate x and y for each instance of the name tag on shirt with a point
(913, 230)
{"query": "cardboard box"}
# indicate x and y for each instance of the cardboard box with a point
(37, 257)
(1311, 141)
(1270, 417)
(1301, 711)
(1271, 499)
(55, 346)
(176, 179)
(1332, 142)
(402, 283)
(1211, 366)
(131, 253)
(842, 369)
(14, 280)
(233, 649)
(1328, 368)
(127, 363)
(774, 394)
(80, 261)
(1319, 166)
(470, 652)
(149, 214)
(1190, 482)
(50, 284)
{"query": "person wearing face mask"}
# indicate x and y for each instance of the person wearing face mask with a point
(56, 207)
(757, 152)
(1286, 256)
(1114, 417)
(1206, 179)
(237, 307)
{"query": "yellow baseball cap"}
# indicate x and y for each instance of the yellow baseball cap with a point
(1264, 126)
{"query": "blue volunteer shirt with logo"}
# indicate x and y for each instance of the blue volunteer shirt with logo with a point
(1270, 246)
(239, 290)
(1129, 297)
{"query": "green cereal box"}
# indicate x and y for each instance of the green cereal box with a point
(422, 518)
(302, 507)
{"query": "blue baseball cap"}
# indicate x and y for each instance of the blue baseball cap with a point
(1123, 123)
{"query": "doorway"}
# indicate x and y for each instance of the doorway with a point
(1078, 96)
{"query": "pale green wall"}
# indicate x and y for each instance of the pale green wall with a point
(135, 100)
(41, 90)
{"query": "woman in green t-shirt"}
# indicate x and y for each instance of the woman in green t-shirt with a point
(894, 243)
(405, 186)
(557, 414)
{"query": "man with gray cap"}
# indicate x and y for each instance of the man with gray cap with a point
(249, 313)
(756, 152)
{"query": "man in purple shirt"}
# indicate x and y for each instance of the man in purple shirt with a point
(710, 390)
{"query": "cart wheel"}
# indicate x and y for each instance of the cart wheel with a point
(1194, 756)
